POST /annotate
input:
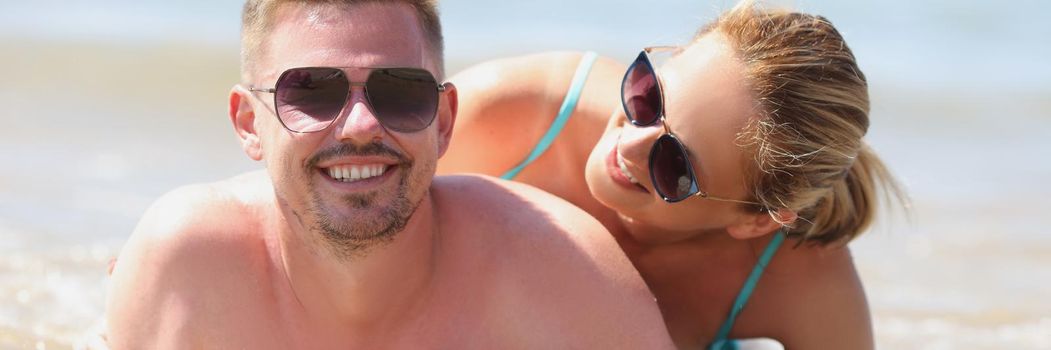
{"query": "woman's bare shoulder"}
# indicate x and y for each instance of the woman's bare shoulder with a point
(821, 300)
(507, 103)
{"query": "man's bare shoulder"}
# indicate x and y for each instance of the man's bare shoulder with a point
(560, 275)
(205, 213)
(193, 246)
(525, 212)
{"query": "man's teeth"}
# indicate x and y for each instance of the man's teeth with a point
(349, 173)
(624, 168)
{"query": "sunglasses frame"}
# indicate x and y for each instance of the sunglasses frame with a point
(441, 87)
(695, 190)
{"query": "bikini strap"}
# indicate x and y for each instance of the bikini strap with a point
(568, 104)
(721, 343)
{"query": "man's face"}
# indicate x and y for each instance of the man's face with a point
(358, 213)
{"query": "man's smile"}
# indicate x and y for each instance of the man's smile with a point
(352, 173)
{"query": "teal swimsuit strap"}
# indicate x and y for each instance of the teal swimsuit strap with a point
(721, 343)
(568, 104)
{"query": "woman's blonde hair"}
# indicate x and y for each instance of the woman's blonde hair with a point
(813, 111)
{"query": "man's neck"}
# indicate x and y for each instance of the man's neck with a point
(371, 292)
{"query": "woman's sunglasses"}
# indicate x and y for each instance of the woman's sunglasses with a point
(670, 168)
(309, 99)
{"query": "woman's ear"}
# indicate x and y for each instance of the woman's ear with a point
(759, 224)
(242, 115)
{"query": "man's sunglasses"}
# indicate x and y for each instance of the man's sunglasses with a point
(670, 168)
(309, 99)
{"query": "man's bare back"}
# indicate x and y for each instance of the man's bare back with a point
(515, 267)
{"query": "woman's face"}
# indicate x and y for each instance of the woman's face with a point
(706, 104)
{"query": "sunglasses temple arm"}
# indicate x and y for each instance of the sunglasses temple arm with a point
(651, 49)
(268, 90)
(705, 195)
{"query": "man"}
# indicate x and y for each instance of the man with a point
(347, 240)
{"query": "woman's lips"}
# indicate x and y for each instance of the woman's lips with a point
(624, 168)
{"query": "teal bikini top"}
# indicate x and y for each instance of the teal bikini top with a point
(721, 342)
(568, 105)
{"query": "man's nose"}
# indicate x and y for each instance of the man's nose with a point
(359, 125)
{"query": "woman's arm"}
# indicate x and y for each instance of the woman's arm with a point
(505, 106)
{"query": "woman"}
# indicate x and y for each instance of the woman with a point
(748, 136)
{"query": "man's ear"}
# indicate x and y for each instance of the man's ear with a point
(447, 105)
(242, 115)
(758, 224)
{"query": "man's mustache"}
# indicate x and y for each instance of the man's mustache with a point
(348, 150)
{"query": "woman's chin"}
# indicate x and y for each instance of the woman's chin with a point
(600, 185)
(611, 195)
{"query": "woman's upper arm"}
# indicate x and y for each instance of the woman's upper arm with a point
(505, 105)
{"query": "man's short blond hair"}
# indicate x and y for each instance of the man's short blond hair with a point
(257, 19)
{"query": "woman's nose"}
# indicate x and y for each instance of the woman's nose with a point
(636, 141)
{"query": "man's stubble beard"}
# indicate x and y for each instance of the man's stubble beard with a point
(353, 237)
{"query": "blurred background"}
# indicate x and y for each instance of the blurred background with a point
(107, 104)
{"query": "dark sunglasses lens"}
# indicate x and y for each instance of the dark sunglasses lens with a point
(640, 92)
(308, 99)
(670, 170)
(404, 99)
